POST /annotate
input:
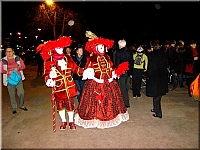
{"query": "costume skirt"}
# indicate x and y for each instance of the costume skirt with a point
(101, 105)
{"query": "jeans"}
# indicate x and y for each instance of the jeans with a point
(79, 85)
(180, 79)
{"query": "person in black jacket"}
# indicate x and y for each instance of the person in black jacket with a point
(80, 60)
(123, 55)
(156, 77)
(191, 64)
(172, 58)
(40, 63)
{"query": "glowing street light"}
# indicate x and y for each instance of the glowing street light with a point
(49, 2)
(39, 29)
(36, 37)
(18, 33)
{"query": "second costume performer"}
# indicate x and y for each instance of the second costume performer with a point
(101, 105)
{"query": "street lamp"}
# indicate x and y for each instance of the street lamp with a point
(39, 29)
(18, 33)
(49, 2)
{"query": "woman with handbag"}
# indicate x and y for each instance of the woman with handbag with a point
(9, 63)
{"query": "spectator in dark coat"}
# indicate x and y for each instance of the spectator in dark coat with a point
(179, 68)
(80, 60)
(124, 55)
(156, 85)
(191, 64)
(40, 63)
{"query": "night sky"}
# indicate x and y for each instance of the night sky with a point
(133, 21)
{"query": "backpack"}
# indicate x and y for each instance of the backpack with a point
(138, 59)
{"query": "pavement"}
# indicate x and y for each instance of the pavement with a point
(178, 129)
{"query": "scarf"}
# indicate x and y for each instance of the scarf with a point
(194, 52)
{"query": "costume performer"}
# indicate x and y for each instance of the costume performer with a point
(57, 72)
(195, 88)
(101, 104)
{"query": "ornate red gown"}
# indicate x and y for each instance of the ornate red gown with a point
(101, 104)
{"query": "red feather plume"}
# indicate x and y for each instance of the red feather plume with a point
(49, 48)
(39, 48)
(90, 45)
(122, 68)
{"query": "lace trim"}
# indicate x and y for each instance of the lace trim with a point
(95, 123)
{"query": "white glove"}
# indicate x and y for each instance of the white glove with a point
(50, 83)
(88, 74)
(62, 64)
(53, 73)
(114, 75)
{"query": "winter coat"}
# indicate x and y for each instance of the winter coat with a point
(189, 62)
(80, 64)
(172, 57)
(179, 68)
(124, 55)
(156, 74)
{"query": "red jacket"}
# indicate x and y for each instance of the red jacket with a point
(102, 66)
(64, 83)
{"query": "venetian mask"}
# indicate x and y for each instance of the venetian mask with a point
(59, 50)
(100, 48)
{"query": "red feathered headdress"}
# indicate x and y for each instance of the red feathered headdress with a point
(90, 45)
(39, 48)
(49, 48)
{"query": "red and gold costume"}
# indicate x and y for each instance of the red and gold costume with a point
(101, 105)
(195, 88)
(65, 88)
(58, 70)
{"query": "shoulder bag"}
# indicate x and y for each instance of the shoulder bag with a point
(14, 78)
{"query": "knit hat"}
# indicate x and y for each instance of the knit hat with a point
(140, 49)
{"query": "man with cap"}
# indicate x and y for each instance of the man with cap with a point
(140, 66)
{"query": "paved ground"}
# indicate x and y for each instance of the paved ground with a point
(179, 127)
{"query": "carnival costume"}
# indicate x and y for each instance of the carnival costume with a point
(58, 70)
(195, 88)
(101, 104)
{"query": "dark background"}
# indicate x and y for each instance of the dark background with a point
(133, 21)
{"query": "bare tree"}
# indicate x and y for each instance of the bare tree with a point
(53, 17)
